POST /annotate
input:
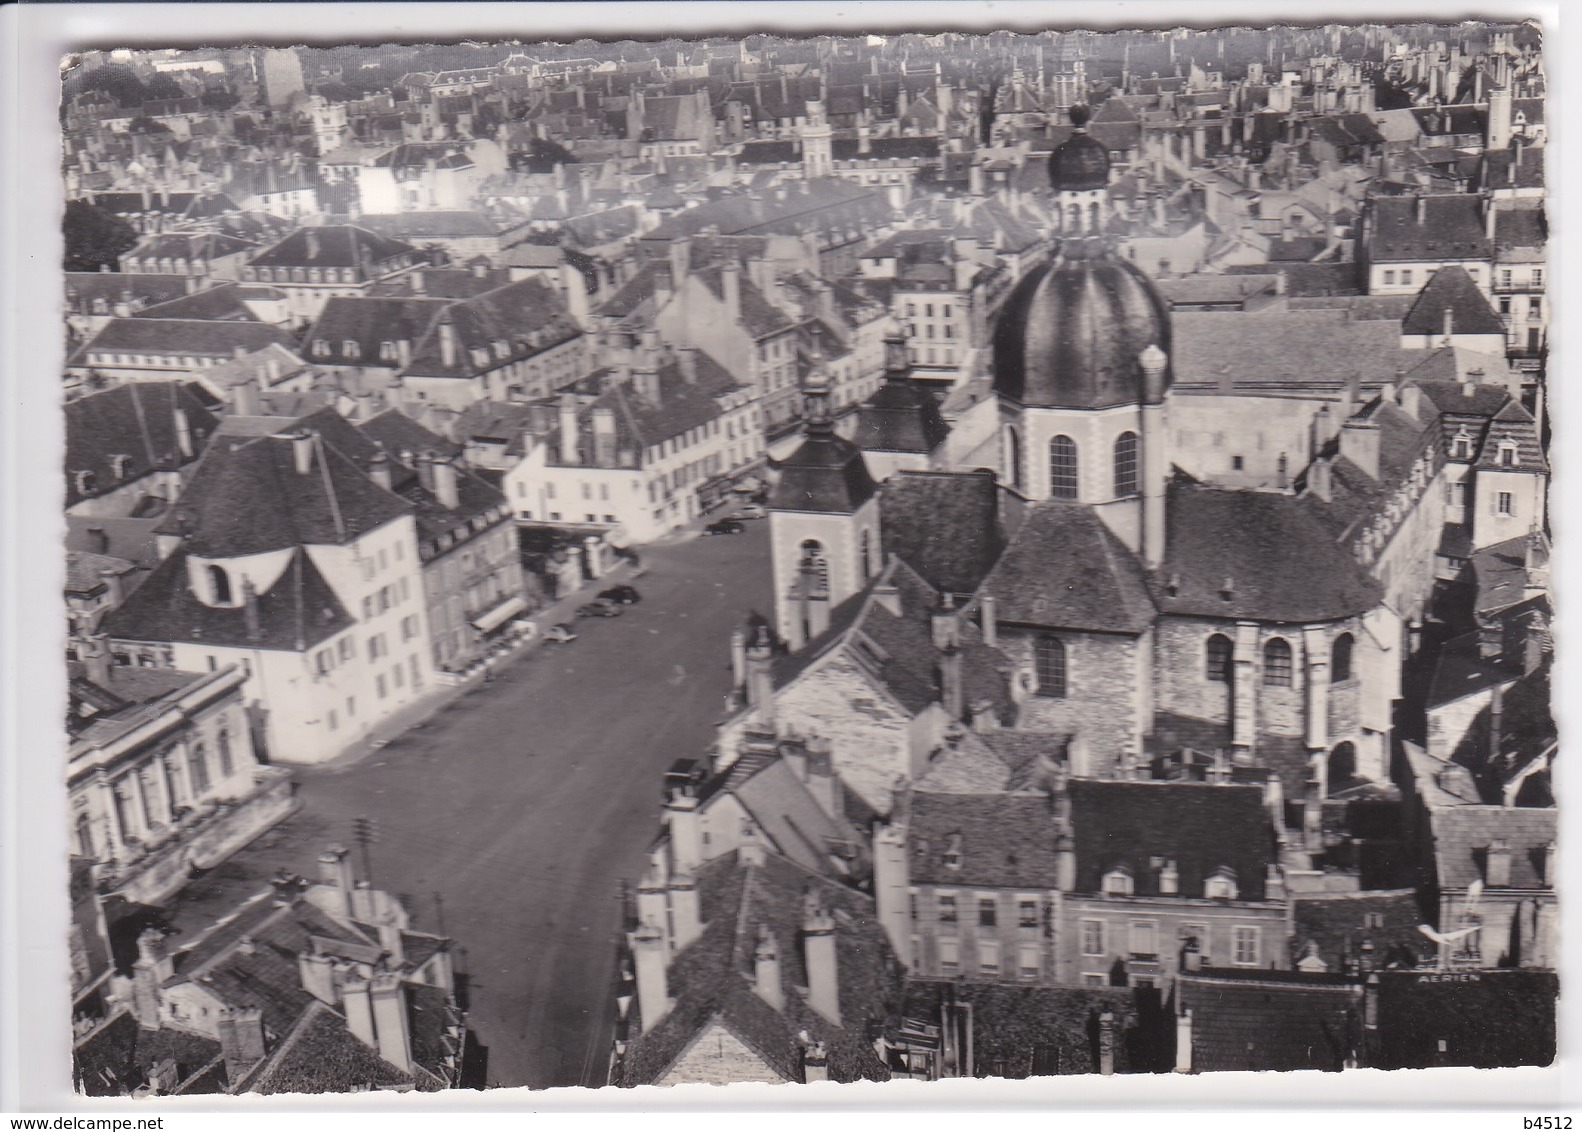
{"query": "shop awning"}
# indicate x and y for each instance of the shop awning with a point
(490, 620)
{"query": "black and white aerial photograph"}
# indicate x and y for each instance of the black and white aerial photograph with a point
(799, 558)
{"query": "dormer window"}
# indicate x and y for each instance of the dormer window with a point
(1221, 885)
(1118, 882)
(502, 349)
(1508, 457)
(1169, 879)
(321, 347)
(351, 348)
(122, 465)
(953, 852)
(1461, 447)
(387, 351)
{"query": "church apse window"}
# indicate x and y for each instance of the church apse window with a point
(1049, 666)
(220, 585)
(1063, 478)
(1340, 659)
(1126, 464)
(1013, 457)
(1217, 659)
(1277, 664)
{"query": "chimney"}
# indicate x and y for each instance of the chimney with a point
(183, 434)
(739, 660)
(1184, 1042)
(731, 288)
(1422, 209)
(390, 935)
(680, 260)
(250, 610)
(983, 717)
(760, 679)
(446, 483)
(604, 436)
(1497, 868)
(335, 873)
(822, 782)
(241, 1033)
(388, 999)
(152, 969)
(767, 983)
(447, 342)
(425, 470)
(302, 451)
(318, 975)
(312, 241)
(244, 398)
(1359, 443)
(818, 944)
(1065, 855)
(653, 993)
(568, 430)
(988, 623)
(98, 541)
(114, 589)
(815, 1063)
(686, 844)
(379, 469)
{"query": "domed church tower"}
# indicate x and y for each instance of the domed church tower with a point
(823, 522)
(1079, 170)
(1081, 370)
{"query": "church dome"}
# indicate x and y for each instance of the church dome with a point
(1079, 163)
(1072, 332)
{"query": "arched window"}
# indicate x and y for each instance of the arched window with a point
(867, 554)
(85, 836)
(1342, 766)
(1063, 468)
(1013, 456)
(220, 585)
(1049, 664)
(1216, 658)
(1126, 464)
(1340, 659)
(1277, 664)
(227, 765)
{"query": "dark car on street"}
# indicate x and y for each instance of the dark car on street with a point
(724, 527)
(621, 595)
(600, 608)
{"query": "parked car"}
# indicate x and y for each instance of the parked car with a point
(752, 511)
(599, 607)
(621, 595)
(560, 634)
(724, 527)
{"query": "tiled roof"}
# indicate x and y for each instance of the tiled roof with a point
(1312, 349)
(760, 317)
(336, 245)
(428, 225)
(1282, 563)
(796, 826)
(370, 322)
(83, 287)
(1462, 835)
(1513, 424)
(825, 473)
(1005, 841)
(711, 980)
(1451, 228)
(1452, 289)
(84, 570)
(247, 498)
(442, 283)
(1065, 569)
(1520, 228)
(900, 417)
(1280, 1022)
(1337, 923)
(296, 613)
(190, 246)
(1024, 1031)
(944, 525)
(1200, 826)
(136, 421)
(528, 316)
(1464, 399)
(399, 433)
(1501, 169)
(323, 1057)
(118, 1058)
(222, 303)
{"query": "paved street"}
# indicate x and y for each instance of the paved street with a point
(525, 803)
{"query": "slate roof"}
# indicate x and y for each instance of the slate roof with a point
(136, 420)
(825, 473)
(528, 316)
(712, 979)
(1005, 840)
(760, 317)
(128, 699)
(944, 525)
(1452, 289)
(1462, 835)
(1309, 349)
(167, 337)
(1513, 424)
(1065, 569)
(190, 246)
(795, 824)
(429, 224)
(369, 322)
(248, 498)
(1282, 562)
(116, 1060)
(1452, 228)
(900, 417)
(222, 303)
(299, 611)
(1500, 169)
(1200, 826)
(1524, 228)
(338, 245)
(399, 433)
(83, 287)
(84, 570)
(1271, 1021)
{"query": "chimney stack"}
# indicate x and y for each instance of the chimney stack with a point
(335, 873)
(1359, 443)
(739, 660)
(1497, 869)
(767, 983)
(241, 1033)
(388, 999)
(569, 454)
(183, 434)
(604, 436)
(244, 398)
(760, 679)
(818, 943)
(447, 342)
(447, 487)
(647, 944)
(988, 620)
(152, 969)
(379, 469)
(318, 975)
